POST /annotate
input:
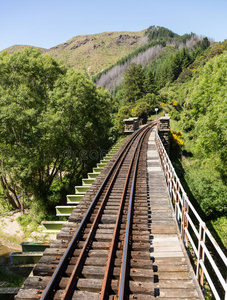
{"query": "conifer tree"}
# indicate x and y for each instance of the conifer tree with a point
(133, 83)
(176, 66)
(149, 83)
(185, 58)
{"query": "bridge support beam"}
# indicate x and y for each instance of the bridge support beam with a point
(163, 131)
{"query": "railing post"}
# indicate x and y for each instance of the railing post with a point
(172, 189)
(184, 222)
(226, 289)
(177, 199)
(161, 153)
(201, 256)
(175, 206)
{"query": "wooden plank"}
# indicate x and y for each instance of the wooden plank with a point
(54, 251)
(174, 284)
(165, 248)
(28, 294)
(179, 293)
(166, 238)
(171, 267)
(173, 275)
(143, 275)
(136, 287)
(141, 297)
(170, 260)
(158, 229)
(37, 282)
(142, 264)
(84, 295)
(169, 254)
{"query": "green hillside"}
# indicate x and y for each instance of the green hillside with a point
(92, 53)
(190, 85)
(199, 112)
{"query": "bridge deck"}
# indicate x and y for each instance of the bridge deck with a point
(173, 276)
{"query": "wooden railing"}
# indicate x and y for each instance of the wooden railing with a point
(195, 233)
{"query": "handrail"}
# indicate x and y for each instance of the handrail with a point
(196, 232)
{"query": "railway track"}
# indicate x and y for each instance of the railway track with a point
(103, 252)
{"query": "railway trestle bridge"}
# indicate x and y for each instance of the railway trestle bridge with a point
(130, 235)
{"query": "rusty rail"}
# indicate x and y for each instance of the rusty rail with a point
(124, 266)
(193, 229)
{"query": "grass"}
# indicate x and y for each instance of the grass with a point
(10, 279)
(13, 239)
(220, 226)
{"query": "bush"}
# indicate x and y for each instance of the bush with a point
(175, 138)
(175, 115)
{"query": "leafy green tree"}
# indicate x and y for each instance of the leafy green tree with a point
(204, 116)
(123, 113)
(26, 80)
(133, 83)
(141, 110)
(152, 101)
(48, 116)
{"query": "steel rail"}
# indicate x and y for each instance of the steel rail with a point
(124, 265)
(112, 248)
(56, 277)
(79, 264)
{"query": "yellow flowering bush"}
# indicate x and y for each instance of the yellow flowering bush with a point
(175, 138)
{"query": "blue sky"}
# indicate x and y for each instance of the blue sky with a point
(47, 23)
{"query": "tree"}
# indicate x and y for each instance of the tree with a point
(204, 44)
(48, 116)
(164, 74)
(151, 100)
(123, 113)
(141, 110)
(185, 58)
(205, 116)
(149, 83)
(133, 83)
(26, 80)
(176, 68)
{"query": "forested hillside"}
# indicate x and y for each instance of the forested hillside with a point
(158, 40)
(200, 113)
(190, 85)
(92, 54)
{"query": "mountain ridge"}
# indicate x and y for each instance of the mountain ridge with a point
(93, 53)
